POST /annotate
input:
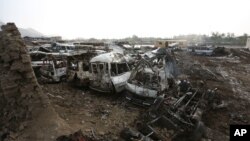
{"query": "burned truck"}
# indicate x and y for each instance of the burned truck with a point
(109, 73)
(151, 77)
(78, 68)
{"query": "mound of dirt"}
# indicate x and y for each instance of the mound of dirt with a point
(26, 113)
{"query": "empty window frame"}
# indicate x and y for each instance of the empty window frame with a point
(122, 68)
(94, 67)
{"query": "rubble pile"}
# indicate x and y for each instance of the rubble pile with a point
(22, 103)
(18, 82)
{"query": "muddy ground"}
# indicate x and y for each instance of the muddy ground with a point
(103, 116)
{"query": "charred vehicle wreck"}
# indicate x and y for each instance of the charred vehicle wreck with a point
(151, 77)
(109, 73)
(174, 118)
(53, 69)
(78, 68)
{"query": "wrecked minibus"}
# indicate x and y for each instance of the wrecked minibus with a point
(150, 78)
(78, 73)
(53, 69)
(109, 73)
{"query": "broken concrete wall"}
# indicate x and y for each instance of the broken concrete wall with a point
(23, 106)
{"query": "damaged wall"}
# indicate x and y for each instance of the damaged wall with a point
(22, 102)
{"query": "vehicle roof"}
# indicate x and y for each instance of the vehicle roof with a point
(109, 58)
(64, 44)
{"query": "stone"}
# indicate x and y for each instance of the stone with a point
(26, 68)
(23, 50)
(171, 132)
(25, 58)
(14, 55)
(26, 88)
(13, 47)
(14, 76)
(82, 122)
(6, 84)
(16, 65)
(6, 57)
(29, 75)
(87, 130)
(21, 127)
(9, 27)
(101, 133)
(11, 92)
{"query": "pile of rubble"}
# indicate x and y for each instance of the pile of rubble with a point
(18, 82)
(26, 114)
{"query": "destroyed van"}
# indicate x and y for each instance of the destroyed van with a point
(201, 50)
(36, 55)
(78, 73)
(65, 49)
(109, 73)
(150, 78)
(53, 70)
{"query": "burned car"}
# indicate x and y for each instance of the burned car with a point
(150, 78)
(78, 72)
(109, 73)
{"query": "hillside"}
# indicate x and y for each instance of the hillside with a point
(27, 31)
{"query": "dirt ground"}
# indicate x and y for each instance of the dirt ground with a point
(97, 115)
(103, 116)
(232, 78)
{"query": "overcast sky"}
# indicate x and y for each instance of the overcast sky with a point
(123, 18)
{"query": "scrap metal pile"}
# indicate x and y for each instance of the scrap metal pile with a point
(176, 107)
(181, 114)
(176, 117)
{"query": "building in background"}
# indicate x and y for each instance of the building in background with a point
(169, 43)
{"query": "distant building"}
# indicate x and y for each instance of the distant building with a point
(56, 38)
(43, 40)
(169, 43)
(248, 43)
